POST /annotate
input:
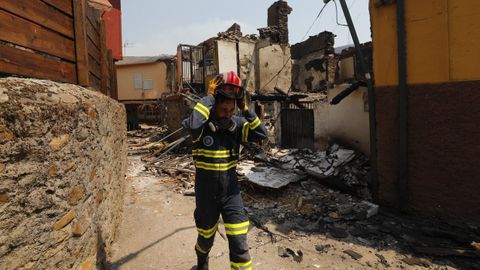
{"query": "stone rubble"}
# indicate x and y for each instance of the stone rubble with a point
(234, 33)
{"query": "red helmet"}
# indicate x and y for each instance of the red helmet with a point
(230, 85)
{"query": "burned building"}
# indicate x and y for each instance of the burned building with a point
(230, 50)
(349, 63)
(277, 29)
(261, 62)
(314, 63)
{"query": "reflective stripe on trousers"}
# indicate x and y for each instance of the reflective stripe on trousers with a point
(237, 229)
(241, 266)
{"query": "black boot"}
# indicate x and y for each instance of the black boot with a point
(202, 262)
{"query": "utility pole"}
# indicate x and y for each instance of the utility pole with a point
(371, 97)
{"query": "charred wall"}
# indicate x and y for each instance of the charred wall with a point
(314, 63)
(277, 28)
(349, 63)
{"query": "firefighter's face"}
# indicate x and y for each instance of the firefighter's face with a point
(225, 109)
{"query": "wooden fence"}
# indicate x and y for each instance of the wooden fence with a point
(60, 40)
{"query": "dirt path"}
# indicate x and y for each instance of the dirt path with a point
(158, 232)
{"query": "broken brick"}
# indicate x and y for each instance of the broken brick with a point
(76, 194)
(52, 171)
(64, 221)
(92, 175)
(70, 166)
(79, 228)
(99, 197)
(59, 142)
(6, 136)
(87, 265)
(3, 198)
(416, 261)
(91, 112)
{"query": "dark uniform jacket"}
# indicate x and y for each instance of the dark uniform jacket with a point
(216, 153)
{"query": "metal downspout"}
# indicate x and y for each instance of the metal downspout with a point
(403, 105)
(371, 101)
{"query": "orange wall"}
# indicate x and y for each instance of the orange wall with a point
(113, 24)
(443, 41)
(154, 71)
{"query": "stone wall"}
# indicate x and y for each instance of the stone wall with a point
(278, 20)
(62, 169)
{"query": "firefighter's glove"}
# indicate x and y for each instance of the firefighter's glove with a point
(213, 85)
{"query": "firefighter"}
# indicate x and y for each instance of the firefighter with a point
(216, 136)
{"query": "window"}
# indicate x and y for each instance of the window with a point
(147, 84)
(138, 80)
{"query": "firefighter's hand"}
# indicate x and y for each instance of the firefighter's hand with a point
(242, 103)
(213, 84)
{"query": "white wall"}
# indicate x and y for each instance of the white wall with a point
(347, 122)
(271, 59)
(247, 64)
(227, 56)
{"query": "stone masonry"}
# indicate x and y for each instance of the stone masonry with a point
(278, 18)
(62, 170)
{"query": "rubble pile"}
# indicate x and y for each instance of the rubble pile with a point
(147, 131)
(235, 29)
(338, 168)
(145, 139)
(270, 32)
(234, 33)
(180, 169)
(307, 207)
(150, 142)
(297, 193)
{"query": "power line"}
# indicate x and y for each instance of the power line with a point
(336, 14)
(314, 21)
(349, 8)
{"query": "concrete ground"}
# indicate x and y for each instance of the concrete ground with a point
(158, 232)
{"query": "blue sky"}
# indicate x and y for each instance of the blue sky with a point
(153, 27)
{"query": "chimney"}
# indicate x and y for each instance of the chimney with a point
(278, 18)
